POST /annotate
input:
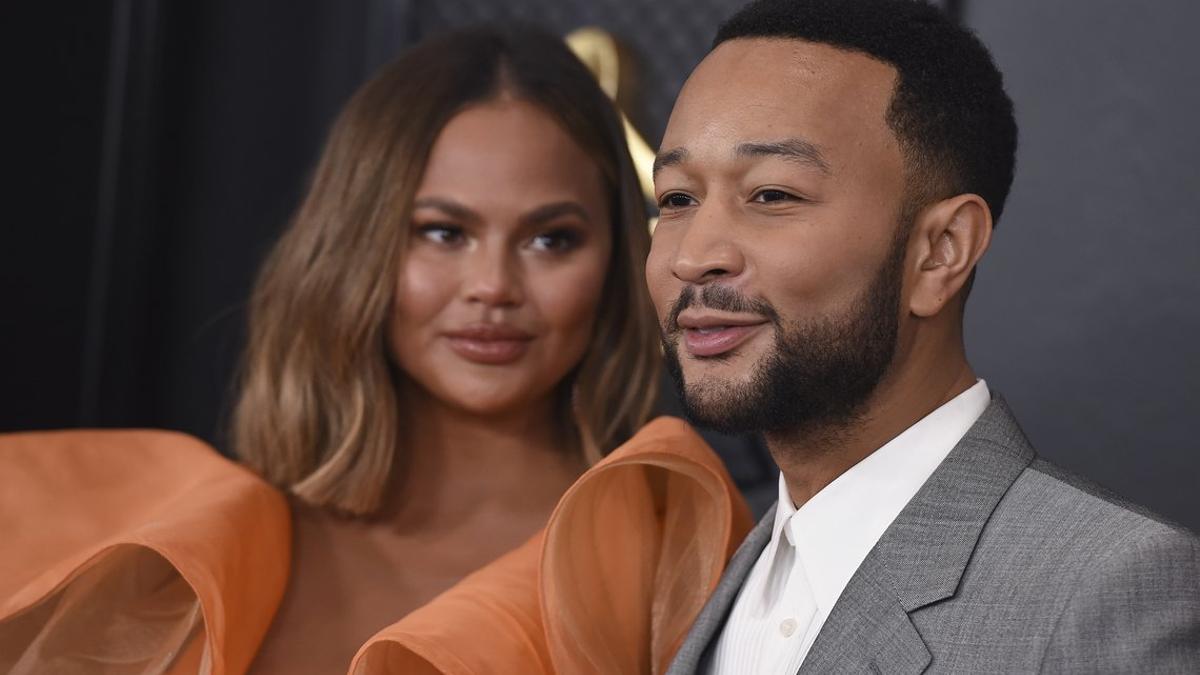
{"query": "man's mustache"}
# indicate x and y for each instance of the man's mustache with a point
(721, 298)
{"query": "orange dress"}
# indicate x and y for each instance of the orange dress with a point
(182, 572)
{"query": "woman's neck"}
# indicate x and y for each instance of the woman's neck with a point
(455, 464)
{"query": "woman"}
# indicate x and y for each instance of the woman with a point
(451, 331)
(453, 328)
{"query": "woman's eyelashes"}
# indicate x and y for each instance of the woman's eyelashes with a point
(443, 234)
(557, 240)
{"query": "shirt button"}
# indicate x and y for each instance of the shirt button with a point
(787, 627)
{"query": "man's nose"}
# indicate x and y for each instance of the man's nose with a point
(707, 250)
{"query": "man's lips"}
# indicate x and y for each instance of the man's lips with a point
(707, 335)
(489, 344)
(706, 342)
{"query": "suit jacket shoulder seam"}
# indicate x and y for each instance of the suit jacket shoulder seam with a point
(1135, 534)
(1088, 488)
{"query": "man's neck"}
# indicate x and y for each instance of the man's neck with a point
(813, 459)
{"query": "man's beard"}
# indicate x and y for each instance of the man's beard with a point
(818, 375)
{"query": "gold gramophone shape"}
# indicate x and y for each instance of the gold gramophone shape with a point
(601, 53)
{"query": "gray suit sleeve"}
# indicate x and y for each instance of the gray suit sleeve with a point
(1136, 610)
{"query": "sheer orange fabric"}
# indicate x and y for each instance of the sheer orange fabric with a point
(134, 552)
(150, 553)
(624, 565)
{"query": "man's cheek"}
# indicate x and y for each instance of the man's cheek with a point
(660, 295)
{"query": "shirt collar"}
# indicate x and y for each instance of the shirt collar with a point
(835, 530)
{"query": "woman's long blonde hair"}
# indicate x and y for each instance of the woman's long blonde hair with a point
(318, 412)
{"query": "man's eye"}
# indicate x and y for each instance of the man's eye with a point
(556, 241)
(439, 233)
(766, 196)
(675, 200)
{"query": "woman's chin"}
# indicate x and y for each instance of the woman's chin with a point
(492, 394)
(495, 404)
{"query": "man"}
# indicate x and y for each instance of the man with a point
(828, 181)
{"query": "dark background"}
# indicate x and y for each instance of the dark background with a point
(159, 148)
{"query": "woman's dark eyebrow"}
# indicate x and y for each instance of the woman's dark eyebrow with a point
(554, 210)
(793, 149)
(449, 207)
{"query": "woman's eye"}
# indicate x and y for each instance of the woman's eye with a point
(556, 241)
(767, 196)
(674, 200)
(438, 233)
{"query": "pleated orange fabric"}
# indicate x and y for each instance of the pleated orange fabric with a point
(134, 552)
(149, 553)
(623, 567)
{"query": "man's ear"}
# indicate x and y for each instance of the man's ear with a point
(948, 239)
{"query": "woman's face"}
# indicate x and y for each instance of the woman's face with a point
(505, 261)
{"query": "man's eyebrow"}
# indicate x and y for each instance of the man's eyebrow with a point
(794, 149)
(449, 207)
(669, 158)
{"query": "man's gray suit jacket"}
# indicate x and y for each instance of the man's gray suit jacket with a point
(1001, 563)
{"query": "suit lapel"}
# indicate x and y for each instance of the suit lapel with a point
(712, 617)
(868, 626)
(921, 557)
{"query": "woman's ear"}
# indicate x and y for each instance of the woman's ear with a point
(949, 238)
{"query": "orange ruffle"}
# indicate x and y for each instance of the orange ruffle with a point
(623, 567)
(151, 553)
(134, 552)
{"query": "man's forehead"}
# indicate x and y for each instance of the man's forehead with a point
(791, 61)
(774, 88)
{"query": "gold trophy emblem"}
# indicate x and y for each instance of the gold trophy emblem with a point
(599, 51)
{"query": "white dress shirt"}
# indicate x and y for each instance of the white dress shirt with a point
(814, 550)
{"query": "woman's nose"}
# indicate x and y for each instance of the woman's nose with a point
(494, 277)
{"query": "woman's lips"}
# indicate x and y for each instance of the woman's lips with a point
(717, 340)
(491, 345)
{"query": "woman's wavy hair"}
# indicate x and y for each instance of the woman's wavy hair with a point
(318, 412)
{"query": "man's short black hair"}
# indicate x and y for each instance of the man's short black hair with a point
(949, 112)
